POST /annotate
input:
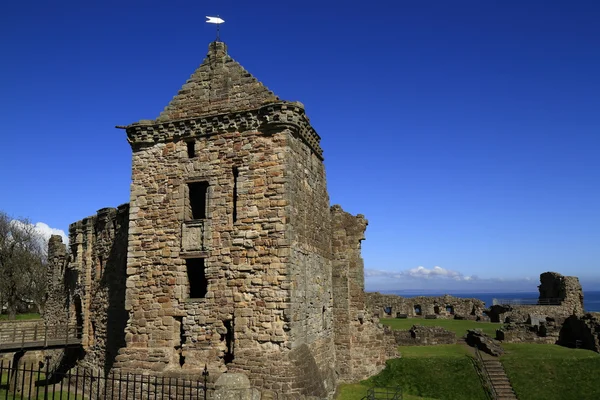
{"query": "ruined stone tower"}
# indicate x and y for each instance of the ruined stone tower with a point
(228, 259)
(234, 255)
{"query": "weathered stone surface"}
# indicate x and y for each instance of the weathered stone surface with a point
(476, 338)
(390, 306)
(219, 85)
(419, 335)
(235, 387)
(234, 258)
(581, 331)
(87, 287)
(362, 347)
(560, 297)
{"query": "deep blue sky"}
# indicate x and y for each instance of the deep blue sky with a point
(467, 132)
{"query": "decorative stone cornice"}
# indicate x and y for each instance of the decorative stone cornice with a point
(286, 115)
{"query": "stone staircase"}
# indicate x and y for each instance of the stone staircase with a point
(499, 380)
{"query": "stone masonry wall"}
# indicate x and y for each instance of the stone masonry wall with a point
(389, 306)
(228, 254)
(362, 345)
(419, 335)
(56, 309)
(262, 240)
(566, 288)
(564, 294)
(87, 288)
(243, 266)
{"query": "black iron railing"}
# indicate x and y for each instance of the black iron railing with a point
(34, 382)
(485, 374)
(384, 393)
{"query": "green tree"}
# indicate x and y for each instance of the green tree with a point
(22, 264)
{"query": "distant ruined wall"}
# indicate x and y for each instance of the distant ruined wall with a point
(562, 294)
(362, 345)
(566, 288)
(419, 335)
(87, 287)
(389, 306)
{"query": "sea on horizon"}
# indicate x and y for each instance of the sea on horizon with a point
(591, 299)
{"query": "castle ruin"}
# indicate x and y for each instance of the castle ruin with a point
(228, 253)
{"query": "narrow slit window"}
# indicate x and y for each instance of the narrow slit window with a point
(198, 192)
(196, 274)
(229, 341)
(236, 174)
(179, 347)
(191, 149)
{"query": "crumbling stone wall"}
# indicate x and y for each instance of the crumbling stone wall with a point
(362, 347)
(581, 331)
(560, 297)
(419, 335)
(390, 306)
(262, 241)
(56, 308)
(233, 255)
(535, 330)
(566, 289)
(87, 287)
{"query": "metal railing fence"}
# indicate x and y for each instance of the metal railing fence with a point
(35, 382)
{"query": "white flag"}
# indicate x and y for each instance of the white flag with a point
(214, 20)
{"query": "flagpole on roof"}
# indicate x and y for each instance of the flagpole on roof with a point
(217, 21)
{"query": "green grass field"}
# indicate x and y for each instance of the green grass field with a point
(4, 394)
(551, 372)
(20, 317)
(356, 391)
(426, 372)
(455, 325)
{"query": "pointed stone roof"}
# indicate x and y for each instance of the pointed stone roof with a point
(220, 85)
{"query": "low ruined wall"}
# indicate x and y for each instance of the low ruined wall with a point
(582, 332)
(362, 345)
(419, 335)
(546, 332)
(390, 306)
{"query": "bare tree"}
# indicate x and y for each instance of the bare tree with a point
(22, 264)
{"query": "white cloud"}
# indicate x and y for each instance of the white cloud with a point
(419, 272)
(44, 231)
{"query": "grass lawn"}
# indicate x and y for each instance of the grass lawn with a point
(20, 317)
(356, 391)
(551, 372)
(40, 391)
(455, 325)
(426, 372)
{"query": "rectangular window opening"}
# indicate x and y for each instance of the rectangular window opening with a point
(198, 192)
(196, 274)
(236, 173)
(191, 149)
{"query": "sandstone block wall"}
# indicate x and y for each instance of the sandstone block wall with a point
(581, 331)
(560, 297)
(362, 346)
(261, 243)
(389, 306)
(87, 287)
(228, 254)
(419, 335)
